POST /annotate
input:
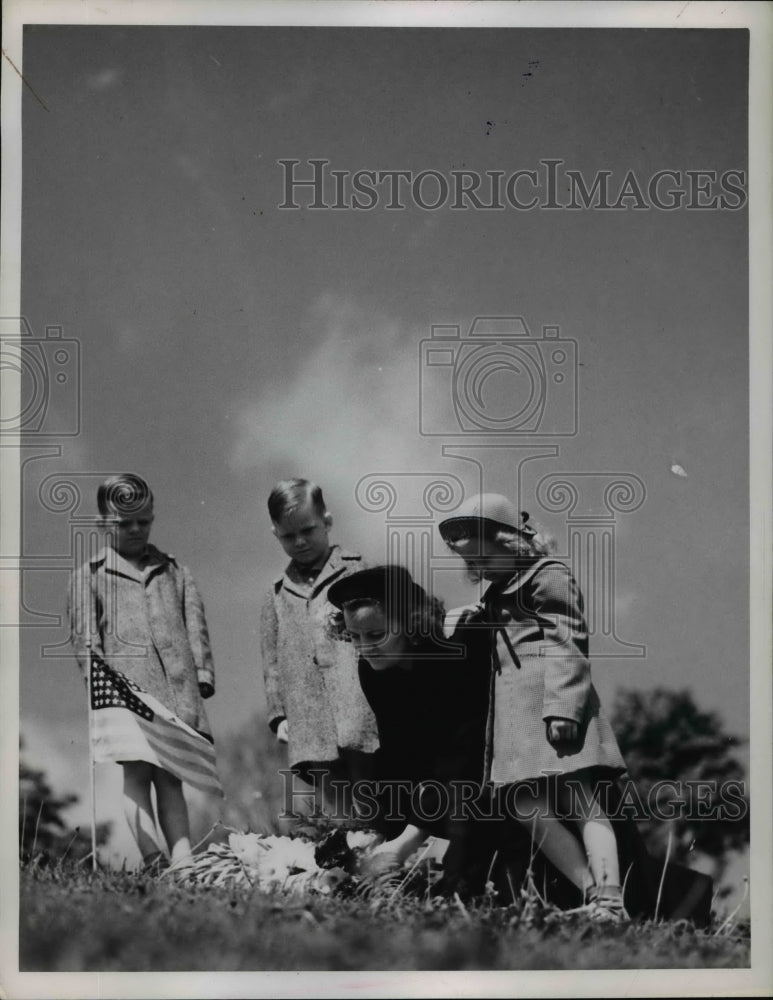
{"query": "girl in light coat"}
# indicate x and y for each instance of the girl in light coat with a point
(548, 740)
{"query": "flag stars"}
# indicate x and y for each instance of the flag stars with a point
(110, 689)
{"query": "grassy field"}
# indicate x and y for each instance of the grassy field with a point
(77, 921)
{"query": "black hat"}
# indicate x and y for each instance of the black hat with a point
(392, 586)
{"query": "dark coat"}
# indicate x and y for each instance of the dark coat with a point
(148, 624)
(431, 724)
(540, 671)
(311, 679)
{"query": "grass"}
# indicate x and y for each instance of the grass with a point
(74, 920)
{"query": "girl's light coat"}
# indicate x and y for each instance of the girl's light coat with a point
(311, 680)
(540, 669)
(148, 624)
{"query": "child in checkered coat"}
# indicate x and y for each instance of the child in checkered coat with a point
(140, 611)
(548, 740)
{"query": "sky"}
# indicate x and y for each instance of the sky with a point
(224, 342)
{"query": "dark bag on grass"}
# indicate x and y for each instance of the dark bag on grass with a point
(685, 895)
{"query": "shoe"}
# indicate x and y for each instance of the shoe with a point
(605, 905)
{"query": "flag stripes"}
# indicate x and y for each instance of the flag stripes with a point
(129, 724)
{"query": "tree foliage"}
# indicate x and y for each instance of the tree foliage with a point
(44, 835)
(664, 735)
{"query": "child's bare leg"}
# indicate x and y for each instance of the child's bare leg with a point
(552, 837)
(138, 808)
(597, 835)
(172, 814)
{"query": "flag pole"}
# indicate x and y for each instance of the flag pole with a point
(92, 766)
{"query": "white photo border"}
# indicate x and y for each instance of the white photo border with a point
(758, 18)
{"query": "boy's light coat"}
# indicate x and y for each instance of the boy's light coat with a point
(311, 680)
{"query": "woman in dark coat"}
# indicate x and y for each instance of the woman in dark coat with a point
(429, 694)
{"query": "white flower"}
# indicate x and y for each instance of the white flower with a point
(247, 847)
(272, 859)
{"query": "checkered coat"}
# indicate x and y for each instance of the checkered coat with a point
(540, 670)
(311, 679)
(148, 624)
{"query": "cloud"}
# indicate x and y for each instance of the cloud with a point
(350, 408)
(348, 416)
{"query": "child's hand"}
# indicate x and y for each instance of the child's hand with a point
(562, 735)
(282, 731)
(206, 690)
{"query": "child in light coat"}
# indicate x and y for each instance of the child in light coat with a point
(548, 740)
(313, 695)
(140, 611)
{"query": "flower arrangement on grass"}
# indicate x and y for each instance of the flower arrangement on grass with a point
(293, 865)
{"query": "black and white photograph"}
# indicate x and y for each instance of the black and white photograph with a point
(386, 458)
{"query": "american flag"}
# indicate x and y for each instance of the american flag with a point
(129, 724)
